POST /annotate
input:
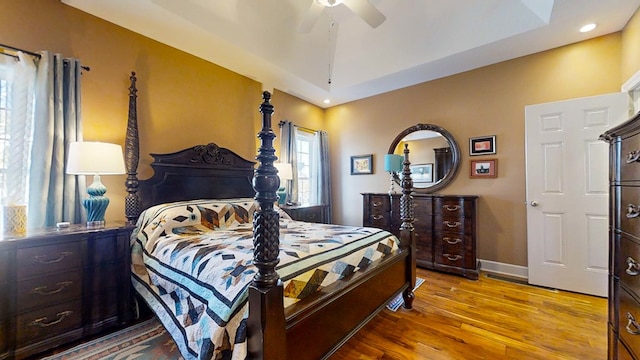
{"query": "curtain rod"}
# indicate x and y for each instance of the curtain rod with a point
(36, 55)
(299, 127)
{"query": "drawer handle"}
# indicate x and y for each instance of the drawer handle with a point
(452, 225)
(376, 204)
(633, 267)
(633, 156)
(311, 216)
(452, 242)
(633, 211)
(42, 290)
(42, 259)
(632, 326)
(451, 208)
(377, 217)
(42, 321)
(452, 257)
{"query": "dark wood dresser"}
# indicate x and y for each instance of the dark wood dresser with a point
(59, 285)
(624, 240)
(308, 213)
(445, 228)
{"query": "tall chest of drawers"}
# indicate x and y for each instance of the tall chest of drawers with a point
(445, 228)
(624, 240)
(62, 285)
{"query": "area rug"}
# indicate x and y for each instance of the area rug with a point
(144, 341)
(398, 301)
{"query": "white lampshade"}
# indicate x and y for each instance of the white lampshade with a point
(285, 170)
(91, 158)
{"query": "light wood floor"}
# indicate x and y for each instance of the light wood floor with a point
(457, 319)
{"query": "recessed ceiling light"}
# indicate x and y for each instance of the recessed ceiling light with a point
(327, 101)
(588, 27)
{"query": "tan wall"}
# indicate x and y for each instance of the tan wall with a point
(486, 101)
(631, 47)
(183, 100)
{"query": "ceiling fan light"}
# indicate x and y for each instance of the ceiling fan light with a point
(329, 3)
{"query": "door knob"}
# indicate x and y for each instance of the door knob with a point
(533, 203)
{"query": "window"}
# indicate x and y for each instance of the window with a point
(307, 154)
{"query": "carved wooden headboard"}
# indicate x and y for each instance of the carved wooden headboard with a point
(199, 172)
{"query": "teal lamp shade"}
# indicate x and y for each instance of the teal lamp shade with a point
(393, 163)
(95, 158)
(285, 172)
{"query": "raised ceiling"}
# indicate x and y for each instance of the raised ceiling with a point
(420, 40)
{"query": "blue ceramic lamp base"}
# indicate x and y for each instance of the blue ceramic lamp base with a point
(96, 204)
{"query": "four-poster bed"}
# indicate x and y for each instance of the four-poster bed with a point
(208, 186)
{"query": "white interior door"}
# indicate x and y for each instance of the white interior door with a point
(568, 191)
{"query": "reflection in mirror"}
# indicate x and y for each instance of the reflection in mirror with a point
(426, 167)
(435, 156)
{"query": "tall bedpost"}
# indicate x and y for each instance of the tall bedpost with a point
(406, 229)
(132, 156)
(266, 323)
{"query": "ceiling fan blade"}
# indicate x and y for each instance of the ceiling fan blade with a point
(366, 11)
(311, 17)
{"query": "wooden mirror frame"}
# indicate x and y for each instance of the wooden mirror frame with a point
(455, 155)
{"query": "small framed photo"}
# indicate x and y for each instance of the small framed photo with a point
(482, 145)
(362, 164)
(484, 168)
(422, 173)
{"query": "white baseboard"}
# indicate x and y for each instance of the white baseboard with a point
(495, 267)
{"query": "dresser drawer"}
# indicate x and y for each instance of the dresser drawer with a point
(41, 260)
(379, 204)
(627, 266)
(630, 149)
(455, 256)
(42, 291)
(422, 207)
(455, 207)
(449, 225)
(630, 210)
(629, 321)
(45, 323)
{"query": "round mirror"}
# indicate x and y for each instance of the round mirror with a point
(434, 156)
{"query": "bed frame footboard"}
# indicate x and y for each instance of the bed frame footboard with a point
(270, 335)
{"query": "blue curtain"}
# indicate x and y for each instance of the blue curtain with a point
(324, 172)
(53, 195)
(288, 155)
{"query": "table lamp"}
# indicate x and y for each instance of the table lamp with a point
(285, 172)
(392, 164)
(95, 158)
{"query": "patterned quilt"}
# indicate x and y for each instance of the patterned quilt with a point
(192, 263)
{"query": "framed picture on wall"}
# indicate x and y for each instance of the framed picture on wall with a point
(482, 145)
(422, 173)
(484, 168)
(362, 164)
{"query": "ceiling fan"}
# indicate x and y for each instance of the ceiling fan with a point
(362, 8)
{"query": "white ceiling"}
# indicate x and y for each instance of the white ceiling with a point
(420, 40)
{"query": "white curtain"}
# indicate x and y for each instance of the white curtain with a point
(53, 195)
(21, 76)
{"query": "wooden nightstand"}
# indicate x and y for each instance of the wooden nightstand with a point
(59, 285)
(308, 213)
